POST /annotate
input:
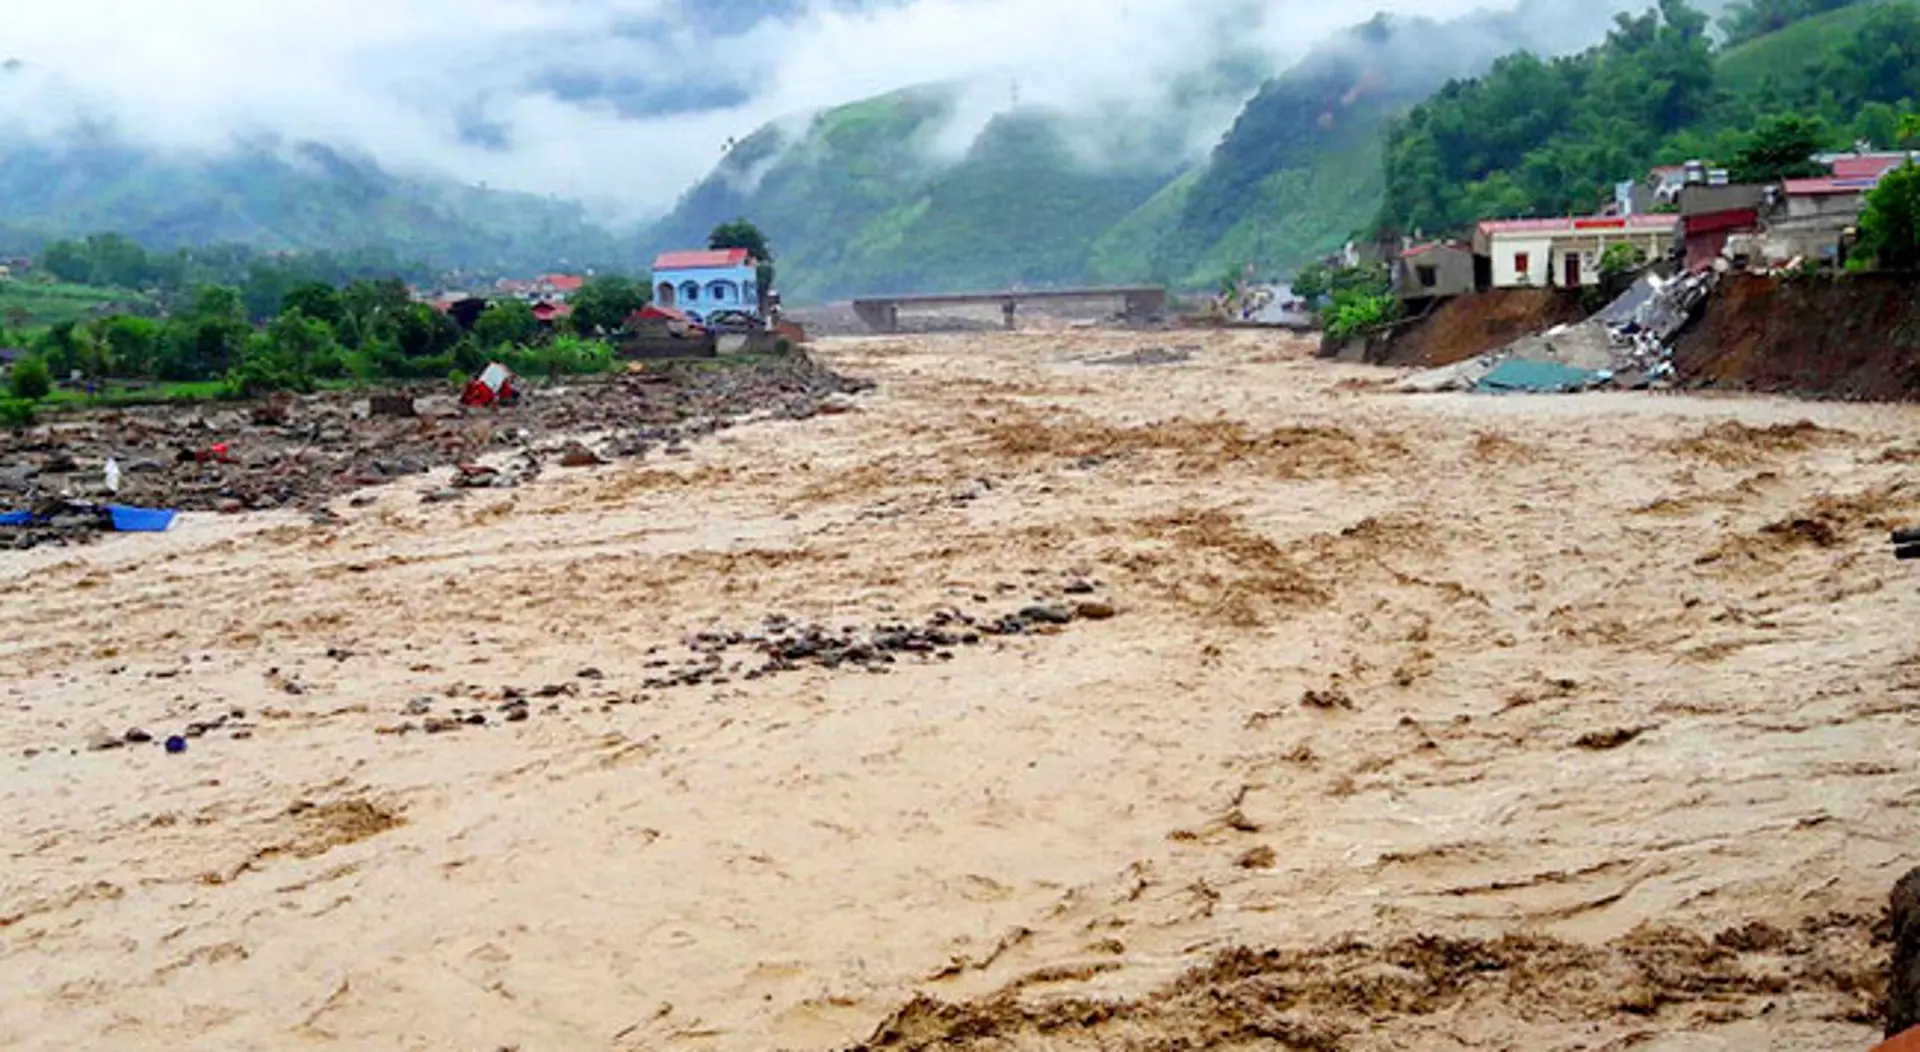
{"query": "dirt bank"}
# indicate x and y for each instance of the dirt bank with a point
(1062, 693)
(1468, 326)
(1856, 337)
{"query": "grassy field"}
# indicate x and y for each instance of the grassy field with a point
(150, 394)
(30, 304)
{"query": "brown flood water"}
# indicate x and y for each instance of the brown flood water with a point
(1425, 722)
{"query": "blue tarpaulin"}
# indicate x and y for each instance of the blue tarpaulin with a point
(124, 519)
(1523, 374)
(140, 520)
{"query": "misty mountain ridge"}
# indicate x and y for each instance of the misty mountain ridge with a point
(294, 197)
(857, 201)
(945, 186)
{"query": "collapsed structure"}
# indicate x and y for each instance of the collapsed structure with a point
(1628, 344)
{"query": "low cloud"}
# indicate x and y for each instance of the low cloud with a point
(618, 103)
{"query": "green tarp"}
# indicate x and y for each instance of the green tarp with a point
(1524, 375)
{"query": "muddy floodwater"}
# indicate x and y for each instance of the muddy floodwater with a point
(1074, 690)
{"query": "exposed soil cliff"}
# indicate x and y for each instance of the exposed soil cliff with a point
(1469, 326)
(1856, 337)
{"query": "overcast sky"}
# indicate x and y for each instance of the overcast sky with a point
(621, 103)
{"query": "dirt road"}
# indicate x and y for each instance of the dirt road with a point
(1424, 722)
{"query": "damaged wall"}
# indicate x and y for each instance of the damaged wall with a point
(1855, 337)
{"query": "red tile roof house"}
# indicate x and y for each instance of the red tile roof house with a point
(564, 284)
(1817, 213)
(549, 313)
(702, 281)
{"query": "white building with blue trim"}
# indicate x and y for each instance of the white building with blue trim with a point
(701, 283)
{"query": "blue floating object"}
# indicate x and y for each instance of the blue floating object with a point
(176, 744)
(124, 519)
(139, 520)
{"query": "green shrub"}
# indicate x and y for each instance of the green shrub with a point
(565, 356)
(31, 380)
(264, 375)
(1890, 225)
(330, 364)
(1622, 258)
(1356, 313)
(15, 412)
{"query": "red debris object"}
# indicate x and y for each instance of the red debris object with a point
(216, 453)
(496, 386)
(1906, 1042)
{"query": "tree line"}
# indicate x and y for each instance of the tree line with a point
(286, 327)
(1549, 136)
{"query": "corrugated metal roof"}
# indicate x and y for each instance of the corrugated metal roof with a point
(702, 259)
(1421, 250)
(1829, 186)
(1867, 165)
(1574, 224)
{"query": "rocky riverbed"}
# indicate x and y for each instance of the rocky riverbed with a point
(1059, 693)
(301, 452)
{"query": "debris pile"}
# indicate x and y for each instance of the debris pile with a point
(781, 645)
(1626, 345)
(302, 452)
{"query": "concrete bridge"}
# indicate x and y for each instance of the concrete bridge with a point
(1137, 304)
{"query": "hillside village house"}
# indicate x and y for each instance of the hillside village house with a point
(1711, 215)
(1566, 251)
(700, 283)
(1434, 269)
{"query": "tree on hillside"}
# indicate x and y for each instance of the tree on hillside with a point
(306, 345)
(316, 299)
(218, 302)
(741, 234)
(67, 260)
(1881, 61)
(58, 346)
(605, 302)
(370, 309)
(1312, 282)
(1744, 20)
(30, 379)
(208, 341)
(132, 345)
(1782, 147)
(420, 331)
(1890, 225)
(506, 324)
(1542, 137)
(102, 259)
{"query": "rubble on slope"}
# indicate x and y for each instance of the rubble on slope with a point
(1628, 345)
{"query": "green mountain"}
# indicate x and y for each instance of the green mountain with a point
(860, 199)
(306, 197)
